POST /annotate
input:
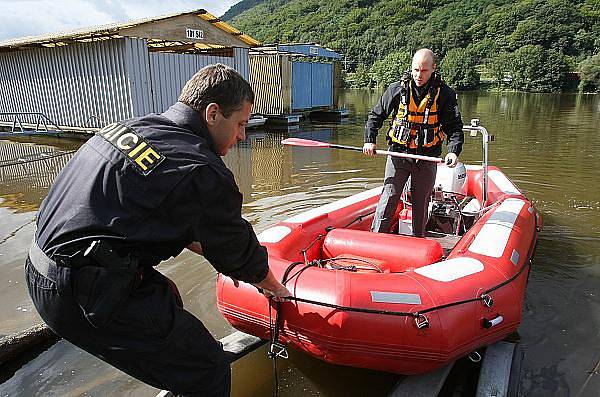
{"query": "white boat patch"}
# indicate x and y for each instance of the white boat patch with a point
(395, 297)
(451, 270)
(503, 182)
(274, 234)
(493, 237)
(473, 167)
(336, 205)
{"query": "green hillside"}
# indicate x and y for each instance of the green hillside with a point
(531, 45)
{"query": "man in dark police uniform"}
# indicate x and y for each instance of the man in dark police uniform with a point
(137, 193)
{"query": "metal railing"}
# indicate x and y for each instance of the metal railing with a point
(474, 127)
(40, 119)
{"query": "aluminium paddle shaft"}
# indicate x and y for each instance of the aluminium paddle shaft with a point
(319, 144)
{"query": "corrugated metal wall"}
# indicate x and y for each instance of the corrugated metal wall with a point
(242, 61)
(169, 72)
(72, 83)
(110, 79)
(138, 71)
(267, 83)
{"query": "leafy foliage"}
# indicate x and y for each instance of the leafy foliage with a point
(522, 44)
(589, 71)
(391, 67)
(459, 69)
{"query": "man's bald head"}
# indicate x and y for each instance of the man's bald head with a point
(423, 65)
(424, 55)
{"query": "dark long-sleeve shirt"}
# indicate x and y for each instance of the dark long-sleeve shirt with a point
(448, 116)
(150, 186)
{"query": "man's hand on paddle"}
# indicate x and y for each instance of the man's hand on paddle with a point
(369, 149)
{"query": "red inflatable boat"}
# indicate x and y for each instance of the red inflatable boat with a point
(393, 302)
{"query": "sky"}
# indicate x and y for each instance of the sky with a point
(19, 18)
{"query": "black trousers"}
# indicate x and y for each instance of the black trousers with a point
(151, 337)
(397, 171)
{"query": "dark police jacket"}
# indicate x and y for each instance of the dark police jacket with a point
(449, 117)
(150, 186)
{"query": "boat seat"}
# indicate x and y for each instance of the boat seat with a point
(396, 253)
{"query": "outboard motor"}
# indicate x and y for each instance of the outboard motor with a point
(452, 180)
(449, 196)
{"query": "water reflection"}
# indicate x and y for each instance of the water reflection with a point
(26, 173)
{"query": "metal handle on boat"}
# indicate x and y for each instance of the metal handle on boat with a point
(474, 128)
(493, 322)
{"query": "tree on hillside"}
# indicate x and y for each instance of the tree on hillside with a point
(499, 67)
(390, 68)
(535, 69)
(458, 69)
(589, 74)
(361, 78)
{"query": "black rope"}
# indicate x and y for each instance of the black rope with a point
(359, 218)
(374, 266)
(274, 329)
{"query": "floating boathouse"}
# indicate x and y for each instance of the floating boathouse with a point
(294, 78)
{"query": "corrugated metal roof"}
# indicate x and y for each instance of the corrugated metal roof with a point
(111, 31)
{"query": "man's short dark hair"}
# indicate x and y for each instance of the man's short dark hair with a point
(218, 84)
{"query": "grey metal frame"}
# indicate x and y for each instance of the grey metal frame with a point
(473, 129)
(41, 118)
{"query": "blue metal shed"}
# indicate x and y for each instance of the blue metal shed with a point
(294, 77)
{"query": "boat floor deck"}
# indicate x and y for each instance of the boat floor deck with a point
(447, 241)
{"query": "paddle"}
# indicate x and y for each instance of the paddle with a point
(319, 144)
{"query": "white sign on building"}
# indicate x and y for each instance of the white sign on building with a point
(194, 34)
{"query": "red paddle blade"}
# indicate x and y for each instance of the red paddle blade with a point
(303, 142)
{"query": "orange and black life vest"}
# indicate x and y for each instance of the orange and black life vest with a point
(416, 125)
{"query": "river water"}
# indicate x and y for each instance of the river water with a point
(548, 144)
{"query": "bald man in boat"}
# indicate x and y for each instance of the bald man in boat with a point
(425, 112)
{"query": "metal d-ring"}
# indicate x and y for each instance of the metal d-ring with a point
(487, 300)
(421, 321)
(474, 356)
